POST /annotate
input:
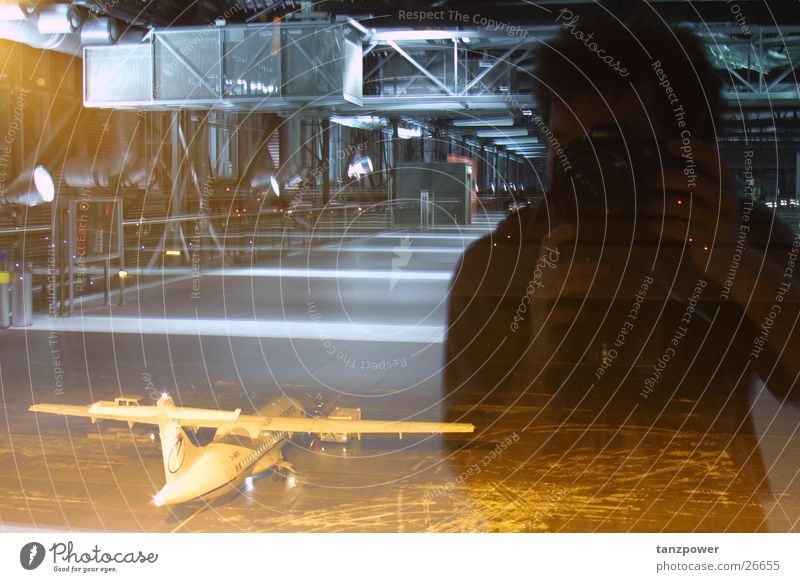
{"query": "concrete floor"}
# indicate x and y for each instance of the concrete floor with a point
(352, 310)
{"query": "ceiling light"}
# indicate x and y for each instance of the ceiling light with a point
(359, 121)
(520, 132)
(414, 35)
(516, 141)
(408, 132)
(488, 122)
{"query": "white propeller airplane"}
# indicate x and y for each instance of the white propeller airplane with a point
(209, 471)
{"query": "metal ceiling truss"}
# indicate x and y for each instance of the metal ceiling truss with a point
(428, 74)
(761, 64)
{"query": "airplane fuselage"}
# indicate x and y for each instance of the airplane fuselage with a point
(222, 465)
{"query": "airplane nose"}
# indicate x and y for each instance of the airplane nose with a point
(186, 488)
(171, 494)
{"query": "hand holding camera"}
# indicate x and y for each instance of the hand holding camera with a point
(706, 222)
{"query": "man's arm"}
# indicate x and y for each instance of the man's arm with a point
(764, 286)
(769, 294)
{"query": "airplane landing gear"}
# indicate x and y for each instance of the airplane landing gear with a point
(287, 470)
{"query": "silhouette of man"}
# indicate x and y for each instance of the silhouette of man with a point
(620, 328)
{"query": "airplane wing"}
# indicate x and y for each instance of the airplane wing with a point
(231, 420)
(257, 424)
(63, 409)
(204, 417)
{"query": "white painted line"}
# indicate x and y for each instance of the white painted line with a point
(279, 329)
(411, 235)
(387, 249)
(288, 273)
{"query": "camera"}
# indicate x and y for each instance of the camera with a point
(605, 177)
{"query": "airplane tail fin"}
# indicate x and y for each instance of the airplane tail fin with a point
(178, 449)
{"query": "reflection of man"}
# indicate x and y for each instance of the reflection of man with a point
(629, 360)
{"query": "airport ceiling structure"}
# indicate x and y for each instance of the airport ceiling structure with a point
(454, 65)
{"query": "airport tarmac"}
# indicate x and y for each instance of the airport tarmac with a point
(361, 324)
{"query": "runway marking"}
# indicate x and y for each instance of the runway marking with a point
(187, 520)
(400, 528)
(426, 503)
(462, 236)
(268, 329)
(378, 249)
(290, 273)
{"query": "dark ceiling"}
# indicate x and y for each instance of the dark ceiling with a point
(385, 12)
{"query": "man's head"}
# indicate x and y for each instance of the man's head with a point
(634, 72)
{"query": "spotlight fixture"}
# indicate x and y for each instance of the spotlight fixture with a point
(30, 188)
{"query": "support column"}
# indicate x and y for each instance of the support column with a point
(797, 175)
(173, 231)
(507, 177)
(326, 166)
(178, 193)
(392, 190)
(396, 153)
